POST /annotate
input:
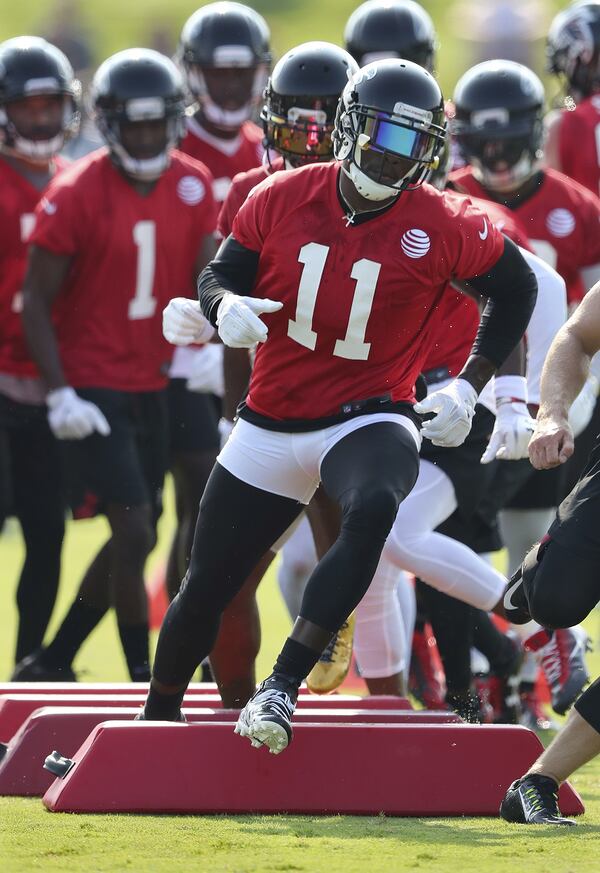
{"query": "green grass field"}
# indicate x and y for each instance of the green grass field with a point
(33, 839)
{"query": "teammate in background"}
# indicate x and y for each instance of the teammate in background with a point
(570, 550)
(39, 110)
(573, 53)
(298, 118)
(331, 393)
(113, 237)
(225, 56)
(381, 29)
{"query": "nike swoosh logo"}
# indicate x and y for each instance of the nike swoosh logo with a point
(508, 604)
(483, 235)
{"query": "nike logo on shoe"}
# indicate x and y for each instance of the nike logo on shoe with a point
(508, 604)
(484, 234)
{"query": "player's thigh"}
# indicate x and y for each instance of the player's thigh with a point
(193, 422)
(431, 501)
(151, 424)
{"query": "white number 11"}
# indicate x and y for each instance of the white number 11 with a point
(365, 272)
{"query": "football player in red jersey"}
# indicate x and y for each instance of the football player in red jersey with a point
(357, 264)
(113, 237)
(224, 53)
(573, 51)
(298, 117)
(39, 109)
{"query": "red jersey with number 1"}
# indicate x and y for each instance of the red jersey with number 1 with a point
(224, 158)
(130, 255)
(360, 301)
(18, 199)
(579, 143)
(561, 219)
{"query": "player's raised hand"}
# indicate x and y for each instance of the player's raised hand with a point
(238, 322)
(73, 418)
(184, 323)
(552, 442)
(453, 408)
(512, 431)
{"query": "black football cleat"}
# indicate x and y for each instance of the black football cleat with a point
(267, 717)
(34, 669)
(533, 799)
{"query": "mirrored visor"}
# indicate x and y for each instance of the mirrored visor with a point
(303, 138)
(390, 136)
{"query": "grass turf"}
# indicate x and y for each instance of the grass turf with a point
(32, 838)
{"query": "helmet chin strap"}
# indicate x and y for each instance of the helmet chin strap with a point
(226, 118)
(366, 187)
(505, 180)
(147, 170)
(36, 151)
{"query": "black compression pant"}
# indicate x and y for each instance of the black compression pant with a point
(367, 473)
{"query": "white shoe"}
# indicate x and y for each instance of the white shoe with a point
(266, 718)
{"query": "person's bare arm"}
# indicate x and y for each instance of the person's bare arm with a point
(46, 273)
(564, 373)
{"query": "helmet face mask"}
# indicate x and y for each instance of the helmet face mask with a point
(301, 100)
(138, 104)
(573, 48)
(498, 124)
(224, 52)
(393, 146)
(39, 99)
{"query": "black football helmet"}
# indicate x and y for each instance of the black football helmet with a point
(573, 48)
(138, 85)
(390, 127)
(29, 67)
(225, 35)
(498, 124)
(301, 101)
(381, 29)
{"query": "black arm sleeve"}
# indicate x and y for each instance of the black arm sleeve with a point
(511, 288)
(234, 269)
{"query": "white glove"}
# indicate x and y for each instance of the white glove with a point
(238, 321)
(582, 408)
(454, 406)
(184, 323)
(225, 428)
(72, 418)
(512, 431)
(206, 372)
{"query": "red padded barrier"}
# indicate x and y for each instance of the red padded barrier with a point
(15, 709)
(425, 770)
(66, 728)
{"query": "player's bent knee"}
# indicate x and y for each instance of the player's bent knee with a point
(371, 510)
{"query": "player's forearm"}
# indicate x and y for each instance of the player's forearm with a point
(564, 373)
(232, 270)
(41, 340)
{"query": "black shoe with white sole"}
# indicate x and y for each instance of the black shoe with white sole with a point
(533, 799)
(266, 718)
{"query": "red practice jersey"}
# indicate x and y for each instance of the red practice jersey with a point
(460, 314)
(224, 158)
(241, 186)
(579, 143)
(561, 219)
(18, 199)
(131, 255)
(360, 301)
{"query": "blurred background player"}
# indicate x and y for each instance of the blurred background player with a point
(225, 56)
(381, 29)
(113, 237)
(39, 110)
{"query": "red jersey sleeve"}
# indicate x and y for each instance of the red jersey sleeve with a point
(231, 206)
(590, 220)
(59, 223)
(251, 224)
(471, 244)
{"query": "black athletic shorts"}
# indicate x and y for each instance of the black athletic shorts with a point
(128, 466)
(577, 523)
(31, 463)
(462, 464)
(193, 419)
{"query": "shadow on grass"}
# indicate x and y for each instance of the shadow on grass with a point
(489, 831)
